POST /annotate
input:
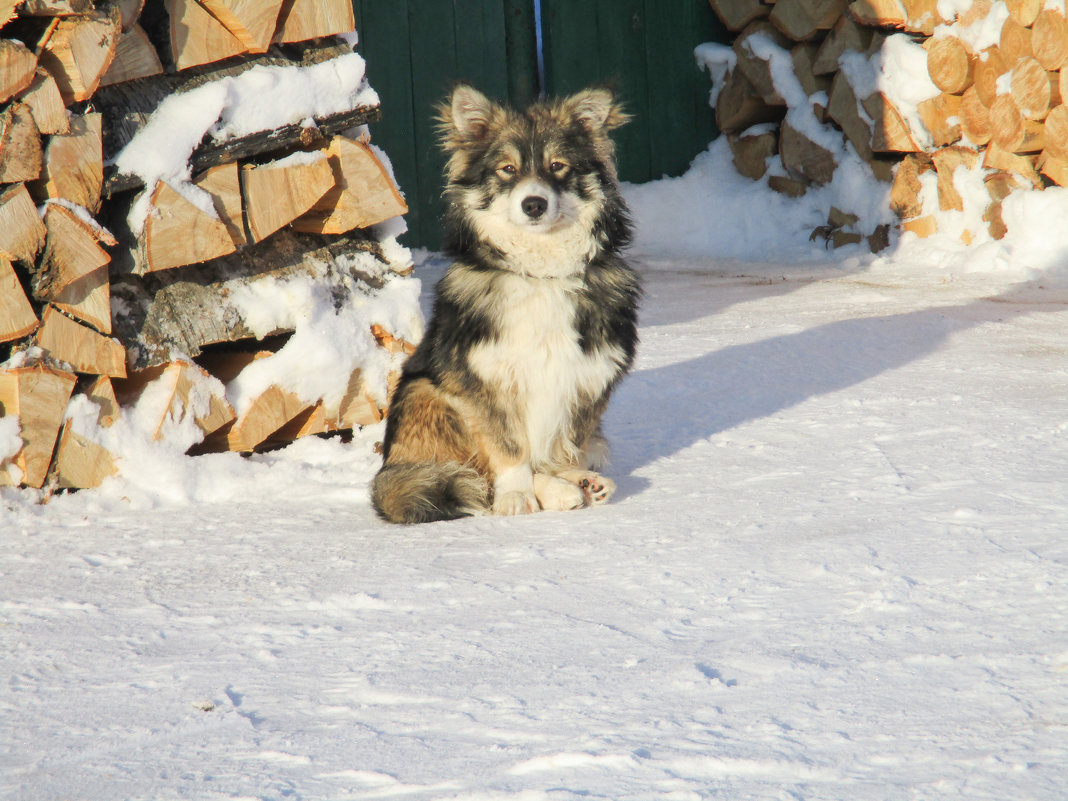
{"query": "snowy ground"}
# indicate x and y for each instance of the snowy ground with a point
(837, 568)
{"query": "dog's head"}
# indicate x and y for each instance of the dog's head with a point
(514, 177)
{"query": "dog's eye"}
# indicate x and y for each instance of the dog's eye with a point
(507, 170)
(558, 168)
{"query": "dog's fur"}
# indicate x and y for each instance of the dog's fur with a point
(499, 408)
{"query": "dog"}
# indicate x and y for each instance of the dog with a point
(499, 408)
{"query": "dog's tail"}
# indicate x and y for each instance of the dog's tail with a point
(427, 491)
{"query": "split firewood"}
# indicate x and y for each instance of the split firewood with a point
(130, 11)
(178, 232)
(879, 13)
(1057, 132)
(923, 227)
(803, 57)
(135, 57)
(756, 69)
(946, 161)
(357, 407)
(101, 391)
(180, 389)
(20, 145)
(949, 64)
(996, 158)
(1049, 39)
(80, 51)
(7, 10)
(270, 411)
(300, 20)
(363, 194)
(197, 37)
(38, 396)
(890, 133)
(252, 22)
(922, 16)
(83, 349)
(16, 315)
(803, 19)
(790, 187)
(56, 8)
(987, 68)
(391, 343)
(277, 193)
(975, 123)
(1014, 42)
(22, 234)
(905, 190)
(73, 167)
(223, 183)
(81, 463)
(750, 152)
(736, 14)
(72, 251)
(845, 36)
(1054, 168)
(88, 299)
(941, 116)
(804, 159)
(843, 109)
(1024, 12)
(17, 67)
(739, 106)
(1012, 131)
(46, 104)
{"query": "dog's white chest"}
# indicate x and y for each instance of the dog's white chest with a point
(537, 365)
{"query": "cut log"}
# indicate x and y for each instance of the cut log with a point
(739, 107)
(946, 162)
(750, 152)
(1056, 169)
(72, 251)
(101, 391)
(80, 462)
(1015, 41)
(38, 396)
(757, 69)
(88, 299)
(270, 411)
(17, 67)
(46, 104)
(1049, 39)
(80, 51)
(846, 36)
(923, 227)
(1024, 12)
(1057, 132)
(83, 349)
(922, 16)
(16, 315)
(223, 183)
(843, 109)
(20, 145)
(988, 67)
(905, 190)
(804, 159)
(197, 37)
(391, 343)
(180, 389)
(890, 133)
(252, 22)
(22, 234)
(941, 116)
(879, 13)
(130, 11)
(949, 64)
(790, 187)
(1030, 88)
(277, 193)
(300, 20)
(1012, 132)
(976, 11)
(803, 57)
(995, 158)
(975, 124)
(55, 8)
(363, 193)
(7, 10)
(736, 14)
(135, 57)
(803, 19)
(178, 232)
(73, 167)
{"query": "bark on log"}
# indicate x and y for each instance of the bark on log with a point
(22, 234)
(83, 349)
(16, 315)
(20, 145)
(38, 396)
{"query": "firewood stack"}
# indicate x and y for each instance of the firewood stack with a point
(130, 288)
(987, 97)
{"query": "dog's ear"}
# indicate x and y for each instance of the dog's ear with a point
(597, 110)
(468, 113)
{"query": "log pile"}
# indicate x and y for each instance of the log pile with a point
(128, 290)
(985, 95)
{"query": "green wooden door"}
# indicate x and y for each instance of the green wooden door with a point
(417, 49)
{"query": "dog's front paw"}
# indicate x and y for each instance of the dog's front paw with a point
(516, 502)
(596, 487)
(557, 494)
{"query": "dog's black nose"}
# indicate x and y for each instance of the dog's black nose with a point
(534, 206)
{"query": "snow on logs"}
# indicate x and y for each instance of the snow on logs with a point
(174, 263)
(917, 96)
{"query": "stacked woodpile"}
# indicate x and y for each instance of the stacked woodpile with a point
(990, 99)
(121, 290)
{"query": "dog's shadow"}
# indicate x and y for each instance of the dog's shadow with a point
(661, 411)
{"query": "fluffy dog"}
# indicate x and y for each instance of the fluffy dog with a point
(534, 323)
